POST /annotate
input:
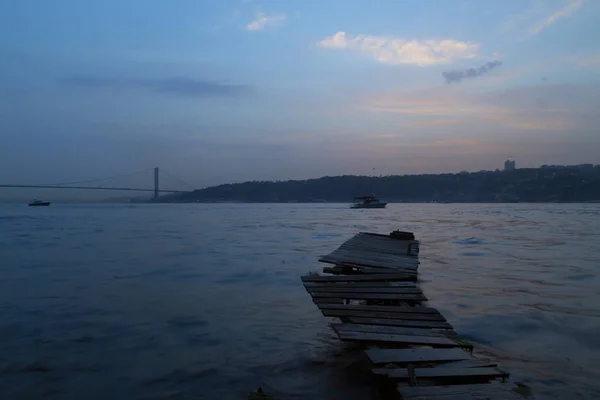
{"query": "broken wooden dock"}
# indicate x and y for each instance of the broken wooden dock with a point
(372, 289)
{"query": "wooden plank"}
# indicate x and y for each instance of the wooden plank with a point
(405, 356)
(398, 290)
(383, 315)
(372, 296)
(459, 392)
(361, 239)
(391, 309)
(375, 240)
(407, 269)
(367, 262)
(407, 340)
(360, 284)
(412, 266)
(400, 322)
(332, 270)
(437, 373)
(357, 269)
(367, 247)
(382, 236)
(363, 254)
(392, 330)
(473, 363)
(374, 256)
(353, 263)
(359, 278)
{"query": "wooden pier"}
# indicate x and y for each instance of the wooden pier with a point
(371, 288)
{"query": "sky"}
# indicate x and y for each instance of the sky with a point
(221, 91)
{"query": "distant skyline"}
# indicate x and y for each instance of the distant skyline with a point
(229, 91)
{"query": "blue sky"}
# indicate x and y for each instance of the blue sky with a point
(227, 91)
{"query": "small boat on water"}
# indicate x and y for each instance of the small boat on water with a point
(37, 203)
(368, 202)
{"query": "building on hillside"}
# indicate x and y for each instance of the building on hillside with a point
(509, 165)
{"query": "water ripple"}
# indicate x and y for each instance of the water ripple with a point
(205, 301)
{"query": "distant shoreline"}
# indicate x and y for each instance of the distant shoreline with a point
(555, 184)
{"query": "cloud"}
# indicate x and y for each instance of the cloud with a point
(392, 50)
(558, 108)
(570, 8)
(175, 85)
(540, 16)
(262, 21)
(457, 76)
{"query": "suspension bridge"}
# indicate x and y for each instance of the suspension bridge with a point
(78, 184)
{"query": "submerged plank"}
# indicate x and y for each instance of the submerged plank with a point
(372, 256)
(360, 278)
(474, 363)
(398, 309)
(405, 356)
(368, 247)
(406, 340)
(333, 259)
(467, 392)
(373, 296)
(382, 315)
(392, 330)
(436, 372)
(411, 270)
(360, 284)
(407, 323)
(397, 290)
(342, 268)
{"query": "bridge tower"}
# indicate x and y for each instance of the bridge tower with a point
(156, 183)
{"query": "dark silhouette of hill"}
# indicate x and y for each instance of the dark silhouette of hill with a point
(546, 184)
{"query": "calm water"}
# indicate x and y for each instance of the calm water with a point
(205, 301)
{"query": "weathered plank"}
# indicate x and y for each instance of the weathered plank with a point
(392, 330)
(367, 247)
(360, 278)
(401, 339)
(383, 315)
(398, 290)
(373, 257)
(333, 259)
(481, 391)
(400, 322)
(473, 363)
(373, 296)
(437, 373)
(365, 269)
(406, 356)
(382, 242)
(391, 309)
(344, 268)
(360, 284)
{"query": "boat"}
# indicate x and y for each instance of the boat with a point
(37, 203)
(368, 202)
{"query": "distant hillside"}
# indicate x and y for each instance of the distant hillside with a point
(546, 184)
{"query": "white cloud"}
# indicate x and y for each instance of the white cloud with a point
(262, 21)
(392, 50)
(570, 8)
(540, 16)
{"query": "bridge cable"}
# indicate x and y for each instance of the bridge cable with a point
(96, 180)
(178, 180)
